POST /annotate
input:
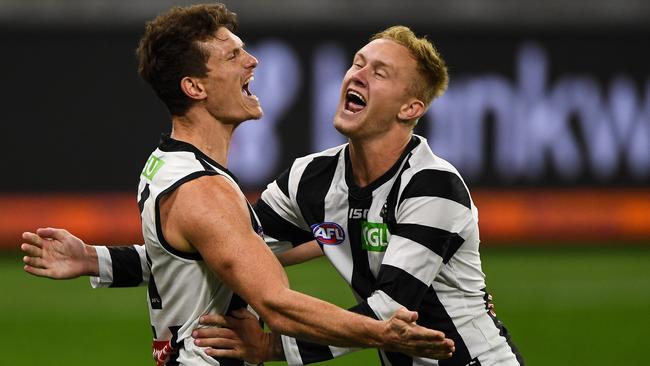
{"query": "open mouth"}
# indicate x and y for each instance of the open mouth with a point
(245, 88)
(354, 101)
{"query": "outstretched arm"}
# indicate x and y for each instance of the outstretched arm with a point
(231, 248)
(57, 254)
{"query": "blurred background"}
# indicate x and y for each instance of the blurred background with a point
(547, 118)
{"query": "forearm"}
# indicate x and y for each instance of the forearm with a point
(299, 254)
(308, 318)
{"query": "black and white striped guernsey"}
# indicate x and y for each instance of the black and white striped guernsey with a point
(410, 239)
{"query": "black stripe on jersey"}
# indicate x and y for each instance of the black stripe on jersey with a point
(362, 280)
(313, 352)
(143, 197)
(503, 331)
(173, 359)
(283, 182)
(364, 309)
(205, 165)
(437, 183)
(278, 228)
(313, 186)
(396, 359)
(432, 314)
(127, 271)
(159, 232)
(256, 225)
(154, 296)
(439, 241)
(401, 286)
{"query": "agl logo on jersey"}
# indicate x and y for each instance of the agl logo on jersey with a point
(374, 236)
(328, 233)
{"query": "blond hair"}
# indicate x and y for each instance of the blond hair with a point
(431, 66)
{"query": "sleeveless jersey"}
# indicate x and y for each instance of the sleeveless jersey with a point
(181, 286)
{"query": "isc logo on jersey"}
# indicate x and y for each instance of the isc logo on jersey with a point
(328, 233)
(374, 236)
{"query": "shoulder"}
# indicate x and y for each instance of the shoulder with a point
(305, 168)
(321, 158)
(207, 198)
(428, 175)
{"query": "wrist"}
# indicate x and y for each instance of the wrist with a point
(91, 261)
(275, 351)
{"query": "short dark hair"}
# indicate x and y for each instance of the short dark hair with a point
(169, 50)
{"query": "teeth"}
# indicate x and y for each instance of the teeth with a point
(245, 87)
(352, 92)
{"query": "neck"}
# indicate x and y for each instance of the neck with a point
(371, 158)
(199, 128)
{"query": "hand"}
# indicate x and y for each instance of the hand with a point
(55, 253)
(406, 336)
(238, 336)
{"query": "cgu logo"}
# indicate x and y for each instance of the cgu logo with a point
(328, 233)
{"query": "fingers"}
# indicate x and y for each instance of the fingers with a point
(229, 353)
(213, 320)
(220, 343)
(31, 250)
(437, 350)
(53, 233)
(35, 262)
(210, 333)
(40, 272)
(32, 239)
(406, 315)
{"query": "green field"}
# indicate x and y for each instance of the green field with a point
(575, 306)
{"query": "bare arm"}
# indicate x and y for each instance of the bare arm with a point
(209, 214)
(301, 253)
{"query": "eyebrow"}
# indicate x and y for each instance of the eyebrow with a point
(376, 63)
(236, 50)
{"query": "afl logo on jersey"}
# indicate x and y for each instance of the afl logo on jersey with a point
(328, 233)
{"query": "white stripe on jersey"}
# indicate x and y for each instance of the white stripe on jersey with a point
(437, 212)
(400, 254)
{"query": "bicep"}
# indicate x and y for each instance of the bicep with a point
(212, 215)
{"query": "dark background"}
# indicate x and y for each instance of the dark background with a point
(78, 118)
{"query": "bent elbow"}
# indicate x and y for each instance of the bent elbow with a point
(274, 309)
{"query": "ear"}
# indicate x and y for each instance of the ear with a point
(412, 110)
(193, 88)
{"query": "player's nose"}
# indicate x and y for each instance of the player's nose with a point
(251, 61)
